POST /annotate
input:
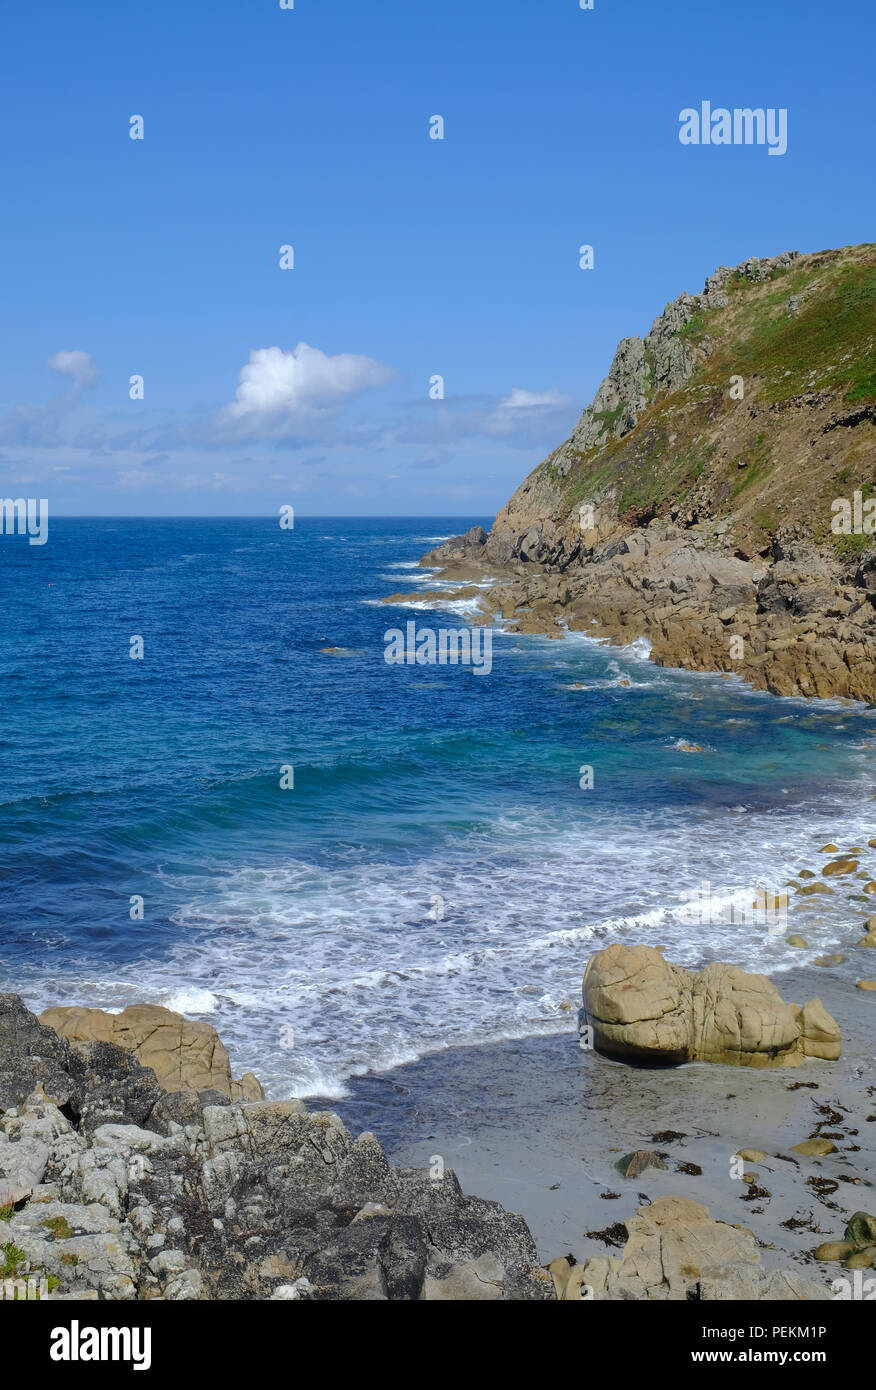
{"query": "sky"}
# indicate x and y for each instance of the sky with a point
(413, 258)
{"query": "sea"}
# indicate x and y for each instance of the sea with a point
(218, 795)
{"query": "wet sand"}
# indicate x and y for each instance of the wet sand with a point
(539, 1126)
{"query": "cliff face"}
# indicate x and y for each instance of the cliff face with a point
(665, 437)
(716, 495)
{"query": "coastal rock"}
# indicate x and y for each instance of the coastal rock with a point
(840, 866)
(184, 1054)
(31, 1057)
(676, 514)
(814, 1148)
(834, 1250)
(631, 1165)
(642, 1008)
(115, 1198)
(861, 1230)
(857, 1249)
(677, 1251)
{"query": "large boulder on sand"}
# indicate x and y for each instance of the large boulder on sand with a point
(676, 1251)
(184, 1054)
(643, 1008)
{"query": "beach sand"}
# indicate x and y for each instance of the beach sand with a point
(539, 1126)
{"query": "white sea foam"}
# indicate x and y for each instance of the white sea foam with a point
(376, 962)
(189, 1001)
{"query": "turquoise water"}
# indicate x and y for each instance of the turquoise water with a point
(437, 874)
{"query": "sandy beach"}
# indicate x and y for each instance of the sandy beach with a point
(540, 1125)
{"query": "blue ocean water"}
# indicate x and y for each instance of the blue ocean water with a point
(437, 874)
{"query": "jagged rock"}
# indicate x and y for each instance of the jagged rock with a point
(135, 1192)
(457, 547)
(31, 1056)
(677, 1251)
(642, 1008)
(184, 1054)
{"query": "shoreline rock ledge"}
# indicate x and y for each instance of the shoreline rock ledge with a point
(184, 1053)
(113, 1187)
(644, 1009)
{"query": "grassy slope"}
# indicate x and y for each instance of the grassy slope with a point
(767, 459)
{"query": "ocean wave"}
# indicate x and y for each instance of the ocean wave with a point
(375, 963)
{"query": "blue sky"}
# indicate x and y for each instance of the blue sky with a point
(413, 257)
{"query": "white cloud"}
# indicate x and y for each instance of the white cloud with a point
(523, 400)
(77, 365)
(276, 385)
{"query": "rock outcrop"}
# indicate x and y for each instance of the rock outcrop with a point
(675, 1250)
(644, 1009)
(184, 1053)
(113, 1187)
(695, 503)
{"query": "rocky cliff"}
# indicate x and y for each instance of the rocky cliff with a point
(719, 494)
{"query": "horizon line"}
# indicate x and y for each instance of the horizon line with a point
(264, 516)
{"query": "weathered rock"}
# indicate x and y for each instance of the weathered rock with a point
(137, 1192)
(642, 1008)
(677, 1251)
(835, 1250)
(814, 1148)
(631, 1165)
(31, 1056)
(861, 1230)
(637, 513)
(560, 1271)
(185, 1054)
(819, 1033)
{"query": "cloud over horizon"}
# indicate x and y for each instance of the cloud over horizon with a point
(79, 366)
(277, 386)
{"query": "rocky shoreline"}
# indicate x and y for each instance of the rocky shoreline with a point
(797, 622)
(115, 1184)
(716, 497)
(115, 1188)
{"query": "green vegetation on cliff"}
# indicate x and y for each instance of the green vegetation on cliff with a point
(769, 413)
